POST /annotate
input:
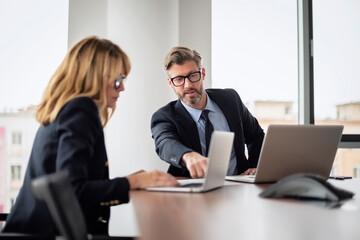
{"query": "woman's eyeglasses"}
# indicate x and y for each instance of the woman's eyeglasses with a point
(118, 81)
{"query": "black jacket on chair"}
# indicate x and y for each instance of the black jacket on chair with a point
(175, 132)
(73, 142)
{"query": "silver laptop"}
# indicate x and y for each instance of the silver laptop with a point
(219, 155)
(290, 149)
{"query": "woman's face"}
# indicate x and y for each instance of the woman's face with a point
(113, 91)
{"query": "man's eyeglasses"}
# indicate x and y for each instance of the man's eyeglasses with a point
(118, 81)
(180, 80)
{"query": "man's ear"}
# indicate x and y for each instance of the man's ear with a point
(169, 82)
(203, 74)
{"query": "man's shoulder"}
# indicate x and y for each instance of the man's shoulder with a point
(168, 108)
(169, 112)
(221, 93)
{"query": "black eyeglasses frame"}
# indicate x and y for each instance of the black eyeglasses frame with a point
(188, 77)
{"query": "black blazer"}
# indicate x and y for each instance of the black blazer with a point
(175, 132)
(73, 142)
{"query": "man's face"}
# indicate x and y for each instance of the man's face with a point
(190, 92)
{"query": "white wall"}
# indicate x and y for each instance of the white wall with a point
(87, 17)
(145, 30)
(195, 30)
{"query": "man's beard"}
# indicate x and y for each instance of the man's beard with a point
(192, 101)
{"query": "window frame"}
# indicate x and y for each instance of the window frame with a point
(306, 72)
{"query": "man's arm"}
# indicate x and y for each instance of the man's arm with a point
(167, 142)
(170, 148)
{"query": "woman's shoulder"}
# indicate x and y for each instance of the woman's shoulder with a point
(81, 103)
(81, 107)
(85, 102)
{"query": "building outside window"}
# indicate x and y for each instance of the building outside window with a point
(16, 138)
(15, 173)
(356, 171)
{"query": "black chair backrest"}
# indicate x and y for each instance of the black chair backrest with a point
(3, 216)
(55, 189)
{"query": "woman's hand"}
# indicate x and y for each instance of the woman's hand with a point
(155, 178)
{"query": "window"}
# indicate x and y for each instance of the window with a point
(35, 35)
(336, 31)
(356, 171)
(15, 173)
(16, 138)
(256, 54)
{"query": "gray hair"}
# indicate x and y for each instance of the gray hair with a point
(179, 55)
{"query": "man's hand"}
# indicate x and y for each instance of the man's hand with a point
(195, 163)
(250, 171)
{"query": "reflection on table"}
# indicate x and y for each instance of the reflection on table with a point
(235, 211)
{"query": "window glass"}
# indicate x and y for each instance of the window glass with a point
(16, 138)
(336, 31)
(347, 162)
(254, 51)
(15, 172)
(34, 42)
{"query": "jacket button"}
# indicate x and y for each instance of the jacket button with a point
(114, 202)
(104, 203)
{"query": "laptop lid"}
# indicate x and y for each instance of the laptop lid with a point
(290, 149)
(219, 155)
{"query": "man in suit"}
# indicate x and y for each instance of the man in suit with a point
(178, 127)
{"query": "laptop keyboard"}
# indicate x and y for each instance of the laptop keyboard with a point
(192, 185)
(197, 182)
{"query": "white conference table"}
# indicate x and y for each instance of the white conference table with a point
(235, 211)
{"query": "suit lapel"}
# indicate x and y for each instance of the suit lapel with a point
(224, 106)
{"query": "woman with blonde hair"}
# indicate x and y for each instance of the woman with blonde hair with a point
(77, 103)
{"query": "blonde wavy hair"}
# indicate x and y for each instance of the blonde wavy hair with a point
(89, 66)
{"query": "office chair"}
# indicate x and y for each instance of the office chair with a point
(22, 236)
(19, 236)
(3, 216)
(55, 189)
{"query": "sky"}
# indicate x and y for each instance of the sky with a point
(33, 42)
(256, 53)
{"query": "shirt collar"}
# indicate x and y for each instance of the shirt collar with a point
(195, 113)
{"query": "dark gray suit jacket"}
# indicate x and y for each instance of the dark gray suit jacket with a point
(175, 132)
(73, 142)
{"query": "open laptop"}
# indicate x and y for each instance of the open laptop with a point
(290, 149)
(219, 155)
